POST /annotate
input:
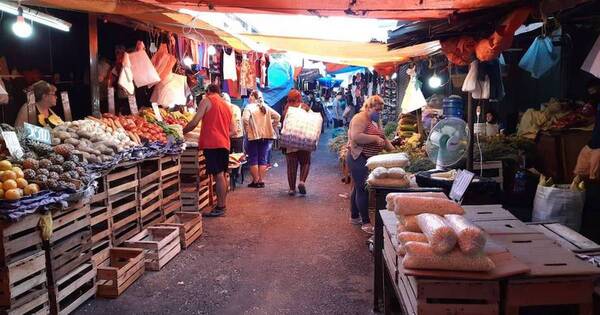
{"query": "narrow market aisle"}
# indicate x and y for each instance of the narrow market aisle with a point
(271, 254)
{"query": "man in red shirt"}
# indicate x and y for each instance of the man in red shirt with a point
(217, 127)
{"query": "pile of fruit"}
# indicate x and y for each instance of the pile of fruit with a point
(169, 118)
(138, 128)
(93, 139)
(14, 184)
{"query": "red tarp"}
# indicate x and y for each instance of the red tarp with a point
(383, 9)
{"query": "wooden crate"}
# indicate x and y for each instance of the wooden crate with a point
(101, 192)
(23, 281)
(490, 169)
(195, 198)
(124, 213)
(171, 196)
(438, 296)
(38, 305)
(150, 204)
(160, 244)
(19, 239)
(149, 172)
(125, 232)
(72, 290)
(189, 225)
(566, 237)
(101, 251)
(125, 266)
(169, 167)
(122, 179)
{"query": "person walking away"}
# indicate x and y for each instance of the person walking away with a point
(217, 128)
(237, 138)
(317, 107)
(259, 121)
(365, 139)
(40, 113)
(294, 157)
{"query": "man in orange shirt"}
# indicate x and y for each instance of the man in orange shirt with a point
(217, 126)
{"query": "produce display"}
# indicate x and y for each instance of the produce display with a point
(471, 239)
(440, 235)
(14, 185)
(410, 204)
(138, 128)
(405, 237)
(421, 256)
(410, 223)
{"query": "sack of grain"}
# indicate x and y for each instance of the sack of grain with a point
(388, 160)
(440, 235)
(421, 256)
(380, 172)
(405, 237)
(410, 205)
(471, 239)
(388, 182)
(391, 197)
(396, 172)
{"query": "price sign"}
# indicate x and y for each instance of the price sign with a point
(156, 112)
(64, 96)
(132, 104)
(37, 133)
(111, 100)
(12, 143)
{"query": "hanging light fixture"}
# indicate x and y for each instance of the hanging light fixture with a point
(187, 61)
(20, 27)
(33, 15)
(435, 81)
(212, 50)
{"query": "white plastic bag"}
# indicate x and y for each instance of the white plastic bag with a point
(559, 204)
(126, 76)
(142, 68)
(471, 79)
(301, 129)
(592, 61)
(413, 97)
(3, 93)
(388, 160)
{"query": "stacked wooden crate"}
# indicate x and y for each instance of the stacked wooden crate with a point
(150, 191)
(100, 219)
(23, 268)
(70, 271)
(160, 245)
(189, 225)
(170, 167)
(123, 268)
(196, 185)
(122, 185)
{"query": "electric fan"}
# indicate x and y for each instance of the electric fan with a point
(448, 142)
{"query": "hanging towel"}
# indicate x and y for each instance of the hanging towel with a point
(592, 61)
(229, 70)
(540, 57)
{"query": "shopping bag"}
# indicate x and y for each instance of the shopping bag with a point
(126, 76)
(301, 129)
(559, 203)
(540, 57)
(413, 97)
(142, 68)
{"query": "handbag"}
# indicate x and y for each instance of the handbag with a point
(301, 129)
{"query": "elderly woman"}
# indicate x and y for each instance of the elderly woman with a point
(365, 139)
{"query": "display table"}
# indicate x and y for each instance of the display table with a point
(556, 276)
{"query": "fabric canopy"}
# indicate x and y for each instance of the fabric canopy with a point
(382, 9)
(341, 52)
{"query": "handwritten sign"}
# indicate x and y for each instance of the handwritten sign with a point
(37, 133)
(12, 143)
(156, 112)
(111, 100)
(132, 104)
(64, 96)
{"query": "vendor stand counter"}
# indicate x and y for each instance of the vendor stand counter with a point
(539, 274)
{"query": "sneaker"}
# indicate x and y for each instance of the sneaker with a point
(291, 192)
(261, 185)
(254, 185)
(216, 212)
(367, 228)
(356, 221)
(302, 188)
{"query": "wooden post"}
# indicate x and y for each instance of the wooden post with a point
(93, 45)
(470, 125)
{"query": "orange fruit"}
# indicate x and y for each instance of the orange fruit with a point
(8, 175)
(22, 183)
(31, 189)
(18, 171)
(9, 184)
(12, 194)
(5, 165)
(1, 193)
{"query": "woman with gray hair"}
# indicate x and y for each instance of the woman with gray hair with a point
(40, 112)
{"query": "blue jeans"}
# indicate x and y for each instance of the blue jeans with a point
(258, 152)
(359, 200)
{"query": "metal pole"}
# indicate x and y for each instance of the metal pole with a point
(93, 45)
(470, 124)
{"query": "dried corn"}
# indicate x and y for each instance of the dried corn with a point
(440, 235)
(471, 239)
(421, 256)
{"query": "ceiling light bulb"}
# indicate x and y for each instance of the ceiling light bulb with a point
(21, 28)
(212, 50)
(435, 82)
(187, 61)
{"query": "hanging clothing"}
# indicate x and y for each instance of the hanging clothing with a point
(171, 91)
(194, 51)
(203, 57)
(229, 71)
(247, 75)
(215, 63)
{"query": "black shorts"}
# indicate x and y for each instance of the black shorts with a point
(217, 160)
(237, 145)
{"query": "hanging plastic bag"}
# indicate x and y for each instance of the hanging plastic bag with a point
(163, 62)
(126, 76)
(559, 203)
(482, 89)
(592, 61)
(142, 68)
(413, 97)
(540, 57)
(3, 93)
(171, 91)
(470, 83)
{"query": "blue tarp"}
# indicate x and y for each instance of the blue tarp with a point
(281, 81)
(347, 69)
(330, 82)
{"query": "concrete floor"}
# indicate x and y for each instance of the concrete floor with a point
(271, 254)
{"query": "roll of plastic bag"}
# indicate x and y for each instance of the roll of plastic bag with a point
(471, 239)
(410, 205)
(440, 235)
(406, 237)
(410, 223)
(421, 256)
(391, 197)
